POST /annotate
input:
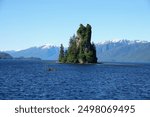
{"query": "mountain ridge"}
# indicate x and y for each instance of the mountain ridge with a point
(124, 51)
(112, 51)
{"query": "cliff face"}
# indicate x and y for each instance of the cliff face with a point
(87, 51)
(80, 49)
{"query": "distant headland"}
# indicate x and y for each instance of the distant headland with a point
(80, 49)
(4, 55)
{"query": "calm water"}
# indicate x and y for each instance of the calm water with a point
(32, 80)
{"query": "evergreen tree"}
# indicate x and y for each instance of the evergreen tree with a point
(65, 56)
(72, 50)
(94, 53)
(61, 54)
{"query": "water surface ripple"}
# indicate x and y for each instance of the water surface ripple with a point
(32, 80)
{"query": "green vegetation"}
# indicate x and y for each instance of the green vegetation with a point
(61, 55)
(80, 49)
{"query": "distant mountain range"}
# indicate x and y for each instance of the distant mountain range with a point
(45, 52)
(110, 51)
(124, 51)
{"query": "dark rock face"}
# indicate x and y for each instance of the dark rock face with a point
(80, 49)
(5, 56)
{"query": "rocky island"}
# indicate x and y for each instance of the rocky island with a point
(80, 49)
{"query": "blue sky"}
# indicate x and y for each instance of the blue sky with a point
(27, 23)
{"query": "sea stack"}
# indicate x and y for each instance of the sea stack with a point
(80, 49)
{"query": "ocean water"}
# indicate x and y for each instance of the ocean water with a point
(20, 79)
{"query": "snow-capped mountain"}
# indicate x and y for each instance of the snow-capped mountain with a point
(45, 52)
(111, 51)
(124, 51)
(47, 46)
(123, 41)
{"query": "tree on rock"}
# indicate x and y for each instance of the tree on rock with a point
(80, 49)
(61, 54)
